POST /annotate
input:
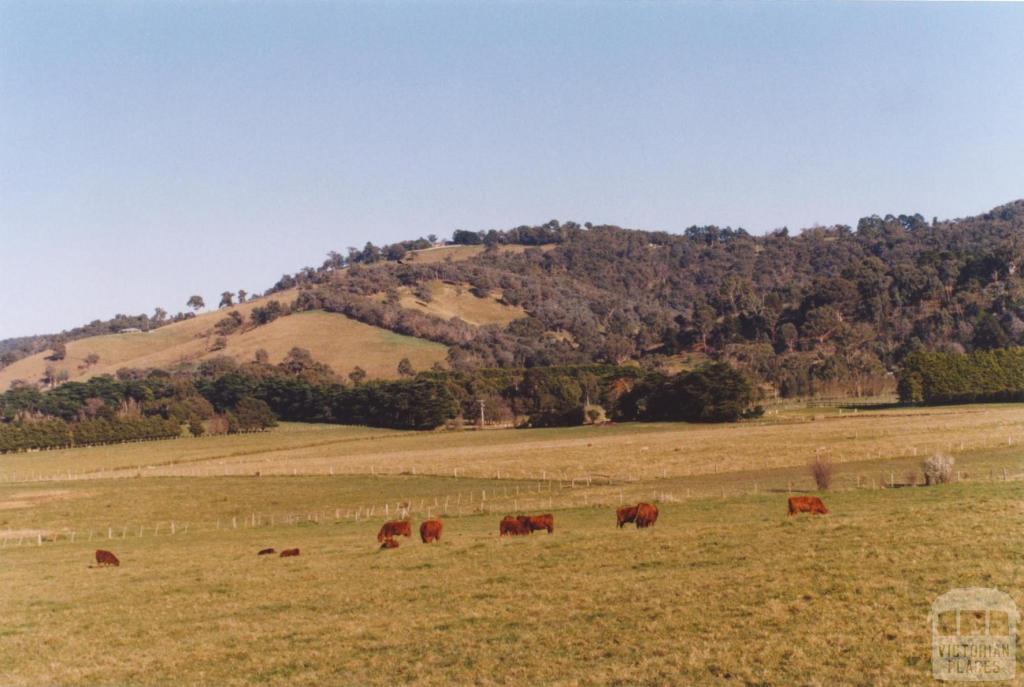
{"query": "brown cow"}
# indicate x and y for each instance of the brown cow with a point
(625, 514)
(806, 504)
(539, 522)
(646, 515)
(288, 553)
(106, 558)
(512, 526)
(394, 528)
(430, 530)
(264, 552)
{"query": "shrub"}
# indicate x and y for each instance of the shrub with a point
(822, 470)
(938, 469)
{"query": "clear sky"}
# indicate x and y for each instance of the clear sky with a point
(150, 150)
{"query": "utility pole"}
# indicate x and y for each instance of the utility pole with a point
(481, 402)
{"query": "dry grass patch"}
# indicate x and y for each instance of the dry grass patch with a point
(449, 300)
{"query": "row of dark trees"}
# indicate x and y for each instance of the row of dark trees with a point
(534, 397)
(981, 376)
(108, 410)
(50, 433)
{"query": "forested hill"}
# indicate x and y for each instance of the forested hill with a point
(828, 310)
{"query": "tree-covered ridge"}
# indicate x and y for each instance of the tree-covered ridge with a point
(832, 309)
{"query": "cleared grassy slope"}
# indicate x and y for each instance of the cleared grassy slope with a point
(449, 300)
(338, 341)
(334, 339)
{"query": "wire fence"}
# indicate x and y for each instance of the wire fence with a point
(497, 500)
(636, 466)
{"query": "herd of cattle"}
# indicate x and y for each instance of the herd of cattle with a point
(643, 515)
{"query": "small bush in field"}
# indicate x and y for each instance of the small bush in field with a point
(938, 469)
(822, 470)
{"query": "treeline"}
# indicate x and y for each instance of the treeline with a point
(56, 433)
(223, 395)
(107, 410)
(981, 376)
(534, 397)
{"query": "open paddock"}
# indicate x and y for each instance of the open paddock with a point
(720, 591)
(622, 452)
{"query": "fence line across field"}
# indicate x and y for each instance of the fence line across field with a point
(637, 471)
(475, 502)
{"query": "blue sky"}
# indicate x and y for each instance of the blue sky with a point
(152, 150)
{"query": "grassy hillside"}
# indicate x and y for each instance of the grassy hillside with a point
(340, 342)
(449, 300)
(334, 339)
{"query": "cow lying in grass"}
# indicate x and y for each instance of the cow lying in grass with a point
(265, 552)
(288, 553)
(394, 528)
(106, 558)
(806, 504)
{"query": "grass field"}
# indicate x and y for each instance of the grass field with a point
(625, 452)
(725, 589)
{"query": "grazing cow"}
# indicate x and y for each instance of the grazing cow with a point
(806, 504)
(646, 515)
(106, 558)
(539, 522)
(430, 531)
(625, 514)
(394, 528)
(389, 543)
(288, 553)
(264, 552)
(512, 527)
